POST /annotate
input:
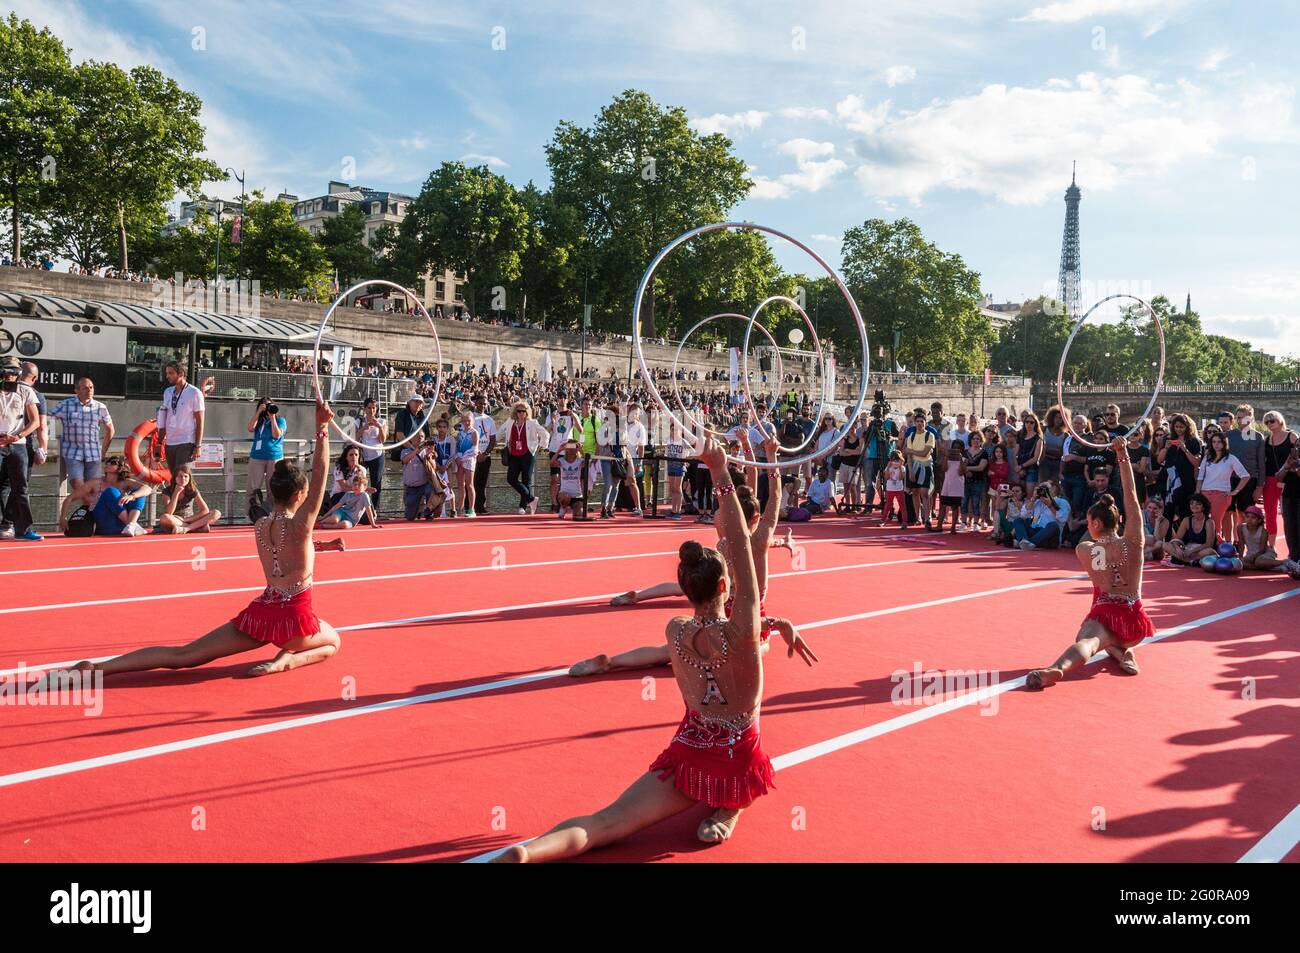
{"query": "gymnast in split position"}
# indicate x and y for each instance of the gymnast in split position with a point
(1117, 621)
(761, 532)
(282, 615)
(716, 755)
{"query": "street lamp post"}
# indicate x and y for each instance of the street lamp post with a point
(216, 290)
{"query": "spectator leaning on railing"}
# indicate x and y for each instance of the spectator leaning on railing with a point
(82, 445)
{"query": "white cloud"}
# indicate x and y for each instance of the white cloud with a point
(1273, 332)
(1213, 59)
(476, 158)
(1072, 11)
(1014, 142)
(853, 113)
(823, 237)
(814, 173)
(898, 75)
(805, 112)
(736, 122)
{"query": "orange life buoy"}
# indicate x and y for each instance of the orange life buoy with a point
(147, 433)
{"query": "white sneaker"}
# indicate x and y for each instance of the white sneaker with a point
(532, 508)
(636, 513)
(560, 513)
(7, 533)
(133, 529)
(1025, 544)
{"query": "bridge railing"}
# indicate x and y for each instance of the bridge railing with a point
(1196, 387)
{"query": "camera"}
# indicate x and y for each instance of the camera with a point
(881, 405)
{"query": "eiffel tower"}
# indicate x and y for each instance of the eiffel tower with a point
(1067, 287)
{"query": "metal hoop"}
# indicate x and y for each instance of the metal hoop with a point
(430, 403)
(646, 378)
(677, 391)
(1060, 373)
(817, 343)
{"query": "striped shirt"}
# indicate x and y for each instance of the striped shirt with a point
(81, 422)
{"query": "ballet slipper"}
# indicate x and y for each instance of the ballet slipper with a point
(1041, 678)
(626, 599)
(597, 665)
(1127, 663)
(719, 826)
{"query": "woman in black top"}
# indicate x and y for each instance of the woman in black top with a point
(1282, 480)
(1182, 453)
(850, 461)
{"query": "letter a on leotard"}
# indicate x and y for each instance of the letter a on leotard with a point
(711, 691)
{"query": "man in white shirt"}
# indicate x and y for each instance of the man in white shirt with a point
(19, 418)
(959, 432)
(180, 419)
(634, 441)
(487, 443)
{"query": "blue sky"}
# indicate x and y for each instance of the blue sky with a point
(962, 114)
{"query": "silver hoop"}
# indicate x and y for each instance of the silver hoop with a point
(817, 343)
(430, 403)
(849, 421)
(677, 358)
(1060, 373)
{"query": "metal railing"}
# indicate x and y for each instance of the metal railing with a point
(1196, 387)
(341, 388)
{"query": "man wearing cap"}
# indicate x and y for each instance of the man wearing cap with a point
(19, 419)
(408, 420)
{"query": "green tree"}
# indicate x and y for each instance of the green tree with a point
(905, 285)
(548, 284)
(468, 219)
(343, 239)
(136, 141)
(35, 117)
(277, 252)
(638, 177)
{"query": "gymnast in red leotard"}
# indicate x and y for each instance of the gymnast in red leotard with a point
(716, 755)
(1117, 622)
(761, 529)
(282, 615)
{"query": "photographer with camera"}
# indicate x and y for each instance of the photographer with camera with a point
(881, 437)
(268, 429)
(1045, 526)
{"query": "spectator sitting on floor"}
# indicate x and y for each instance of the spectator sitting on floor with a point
(352, 508)
(821, 492)
(186, 498)
(117, 511)
(1045, 528)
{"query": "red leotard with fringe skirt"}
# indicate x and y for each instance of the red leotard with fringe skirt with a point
(278, 616)
(717, 762)
(1123, 617)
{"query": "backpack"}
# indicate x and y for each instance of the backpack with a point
(81, 523)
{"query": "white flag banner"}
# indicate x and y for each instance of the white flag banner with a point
(829, 379)
(735, 369)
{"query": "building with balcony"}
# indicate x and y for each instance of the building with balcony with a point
(443, 291)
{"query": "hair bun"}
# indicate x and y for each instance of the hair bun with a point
(690, 552)
(1107, 499)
